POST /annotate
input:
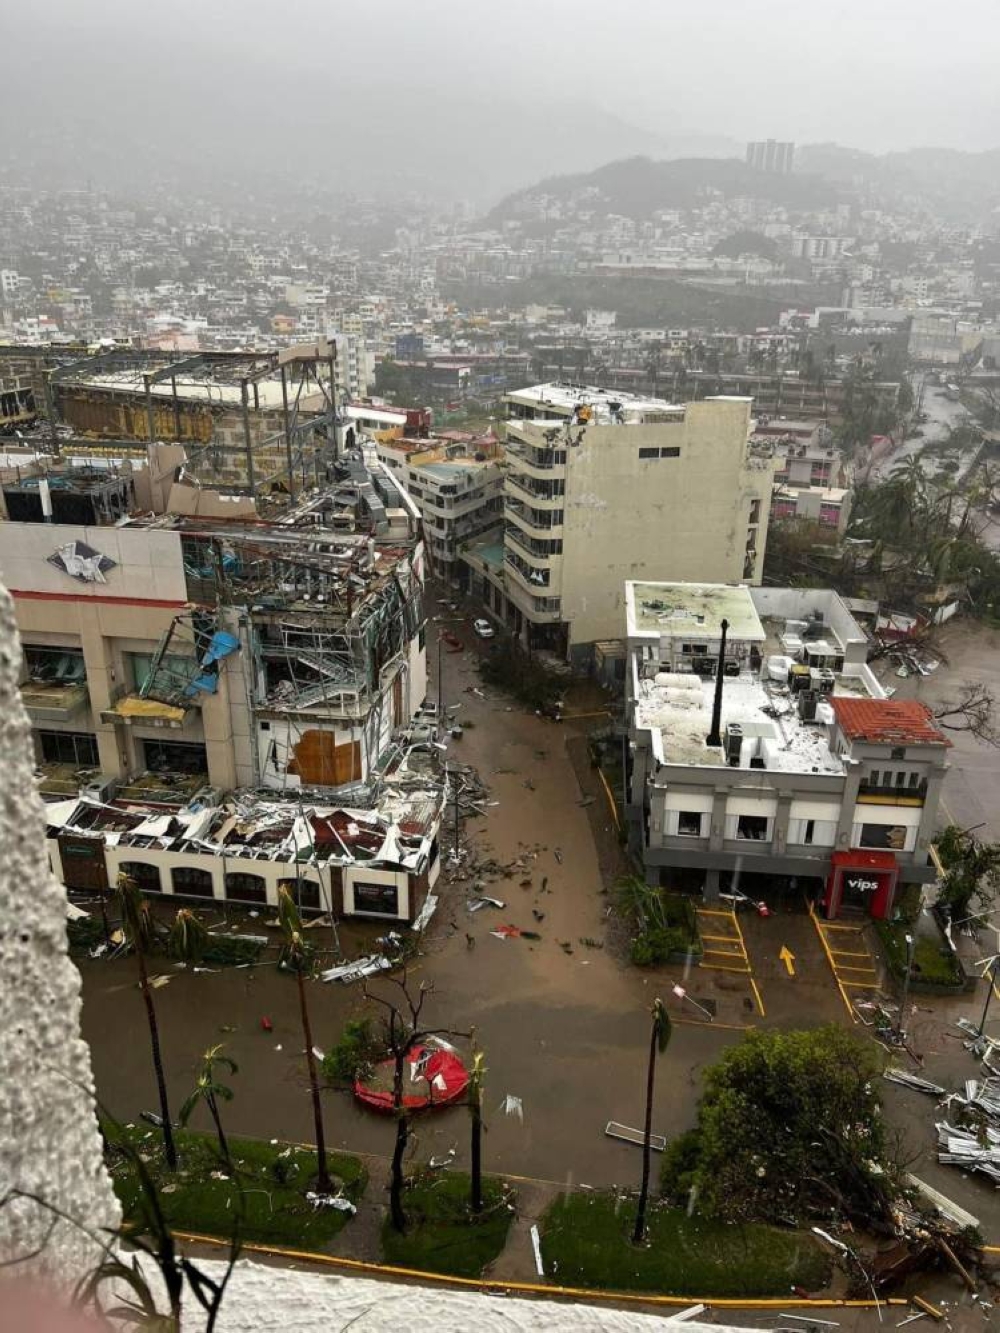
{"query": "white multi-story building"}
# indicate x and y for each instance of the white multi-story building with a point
(355, 368)
(791, 763)
(601, 487)
(460, 496)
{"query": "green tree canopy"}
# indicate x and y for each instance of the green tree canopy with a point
(790, 1125)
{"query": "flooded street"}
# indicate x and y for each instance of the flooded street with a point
(563, 1028)
(563, 1024)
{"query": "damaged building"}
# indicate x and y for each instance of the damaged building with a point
(376, 854)
(255, 421)
(178, 644)
(761, 744)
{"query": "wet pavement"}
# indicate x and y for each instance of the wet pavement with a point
(563, 1022)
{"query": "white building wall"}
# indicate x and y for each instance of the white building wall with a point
(679, 519)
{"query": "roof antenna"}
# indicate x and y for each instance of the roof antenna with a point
(714, 737)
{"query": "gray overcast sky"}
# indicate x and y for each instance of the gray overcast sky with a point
(545, 82)
(871, 73)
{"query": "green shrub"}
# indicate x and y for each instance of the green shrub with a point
(360, 1048)
(233, 950)
(655, 945)
(678, 1167)
(84, 933)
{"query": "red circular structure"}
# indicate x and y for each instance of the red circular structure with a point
(432, 1077)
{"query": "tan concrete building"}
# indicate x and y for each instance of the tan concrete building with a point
(201, 646)
(603, 487)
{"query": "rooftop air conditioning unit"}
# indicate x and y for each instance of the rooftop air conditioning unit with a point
(822, 680)
(807, 705)
(734, 744)
(102, 790)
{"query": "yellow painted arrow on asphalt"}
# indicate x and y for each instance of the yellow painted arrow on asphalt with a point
(788, 958)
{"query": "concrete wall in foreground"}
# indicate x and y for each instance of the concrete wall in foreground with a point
(49, 1142)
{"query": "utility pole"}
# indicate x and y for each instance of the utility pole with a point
(906, 986)
(991, 977)
(440, 685)
(456, 821)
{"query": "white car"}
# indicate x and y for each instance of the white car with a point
(483, 629)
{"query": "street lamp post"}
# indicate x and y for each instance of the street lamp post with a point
(440, 684)
(991, 977)
(906, 985)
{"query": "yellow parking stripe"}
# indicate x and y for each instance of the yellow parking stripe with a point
(736, 950)
(833, 967)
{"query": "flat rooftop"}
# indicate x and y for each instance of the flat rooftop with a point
(692, 608)
(454, 469)
(563, 397)
(679, 709)
(189, 388)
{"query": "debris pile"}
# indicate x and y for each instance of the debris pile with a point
(974, 1143)
(908, 1080)
(467, 797)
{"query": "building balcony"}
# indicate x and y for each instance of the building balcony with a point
(870, 793)
(519, 487)
(531, 465)
(539, 610)
(536, 552)
(521, 573)
(522, 514)
(129, 708)
(54, 700)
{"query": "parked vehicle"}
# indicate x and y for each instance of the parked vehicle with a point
(483, 629)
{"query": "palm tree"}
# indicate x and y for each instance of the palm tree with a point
(207, 1090)
(297, 957)
(137, 927)
(659, 1038)
(476, 1077)
(188, 937)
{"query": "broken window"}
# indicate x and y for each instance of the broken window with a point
(242, 887)
(175, 757)
(63, 665)
(885, 837)
(689, 823)
(192, 882)
(69, 747)
(753, 827)
(145, 875)
(304, 893)
(382, 899)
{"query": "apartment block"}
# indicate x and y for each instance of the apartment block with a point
(602, 487)
(771, 155)
(761, 744)
(459, 494)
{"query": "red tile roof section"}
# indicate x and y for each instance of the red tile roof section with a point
(887, 721)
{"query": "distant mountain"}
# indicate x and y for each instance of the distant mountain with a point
(638, 186)
(958, 186)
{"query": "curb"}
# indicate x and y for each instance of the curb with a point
(542, 1289)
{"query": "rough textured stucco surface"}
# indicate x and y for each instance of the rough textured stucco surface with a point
(259, 1299)
(49, 1142)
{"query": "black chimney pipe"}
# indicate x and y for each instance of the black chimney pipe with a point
(714, 736)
